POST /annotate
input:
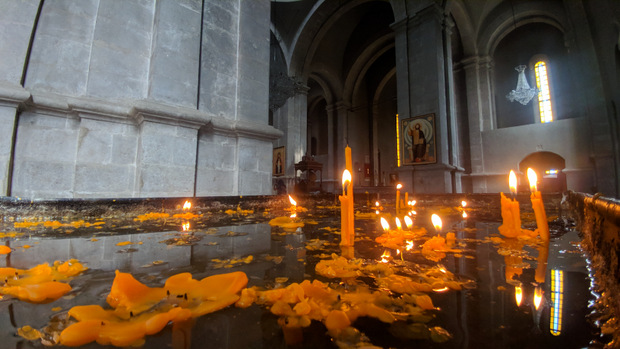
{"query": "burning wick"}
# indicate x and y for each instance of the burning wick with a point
(436, 223)
(185, 226)
(385, 256)
(385, 224)
(409, 245)
(537, 297)
(398, 225)
(293, 202)
(518, 295)
(408, 222)
(187, 205)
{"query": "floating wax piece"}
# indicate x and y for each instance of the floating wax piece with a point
(42, 283)
(130, 296)
(5, 249)
(287, 223)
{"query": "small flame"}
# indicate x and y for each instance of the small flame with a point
(531, 176)
(463, 203)
(436, 222)
(385, 256)
(537, 297)
(412, 213)
(385, 224)
(377, 203)
(187, 205)
(346, 177)
(399, 186)
(185, 226)
(398, 225)
(512, 182)
(377, 212)
(409, 245)
(397, 252)
(518, 295)
(408, 222)
(293, 202)
(439, 290)
(293, 215)
(412, 203)
(464, 214)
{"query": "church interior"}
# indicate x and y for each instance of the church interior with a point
(151, 152)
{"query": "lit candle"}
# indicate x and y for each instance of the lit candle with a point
(511, 216)
(538, 206)
(346, 211)
(436, 223)
(398, 187)
(538, 295)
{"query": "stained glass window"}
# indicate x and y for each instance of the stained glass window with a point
(544, 93)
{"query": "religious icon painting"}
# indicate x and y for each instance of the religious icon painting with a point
(418, 140)
(278, 161)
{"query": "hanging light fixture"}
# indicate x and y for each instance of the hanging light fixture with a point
(523, 93)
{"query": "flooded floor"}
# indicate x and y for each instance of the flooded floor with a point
(484, 312)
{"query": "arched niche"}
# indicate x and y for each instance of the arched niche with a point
(548, 167)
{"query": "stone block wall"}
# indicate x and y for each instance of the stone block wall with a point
(119, 99)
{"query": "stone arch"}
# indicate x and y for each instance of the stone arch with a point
(505, 18)
(364, 62)
(457, 9)
(541, 162)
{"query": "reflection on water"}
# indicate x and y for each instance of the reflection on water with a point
(525, 295)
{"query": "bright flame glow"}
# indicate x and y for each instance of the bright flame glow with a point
(397, 252)
(398, 225)
(385, 256)
(436, 222)
(293, 202)
(399, 186)
(408, 222)
(187, 205)
(346, 177)
(409, 245)
(385, 224)
(518, 295)
(537, 297)
(412, 203)
(531, 176)
(512, 182)
(377, 203)
(412, 212)
(185, 226)
(294, 215)
(439, 290)
(377, 212)
(463, 203)
(464, 214)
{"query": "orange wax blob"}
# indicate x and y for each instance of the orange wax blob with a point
(286, 223)
(129, 295)
(511, 218)
(42, 283)
(5, 249)
(38, 293)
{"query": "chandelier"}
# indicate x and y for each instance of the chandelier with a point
(523, 93)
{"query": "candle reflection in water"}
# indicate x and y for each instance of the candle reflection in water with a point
(518, 294)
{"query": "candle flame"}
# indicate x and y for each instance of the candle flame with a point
(293, 215)
(463, 203)
(412, 203)
(436, 222)
(408, 222)
(398, 225)
(512, 182)
(531, 176)
(397, 252)
(412, 212)
(439, 290)
(187, 205)
(377, 203)
(293, 202)
(409, 245)
(377, 212)
(346, 177)
(399, 186)
(518, 295)
(385, 256)
(537, 297)
(185, 226)
(464, 214)
(385, 224)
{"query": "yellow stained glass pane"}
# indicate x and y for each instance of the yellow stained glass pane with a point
(544, 94)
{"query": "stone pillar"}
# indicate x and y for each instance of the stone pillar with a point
(478, 72)
(420, 73)
(331, 167)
